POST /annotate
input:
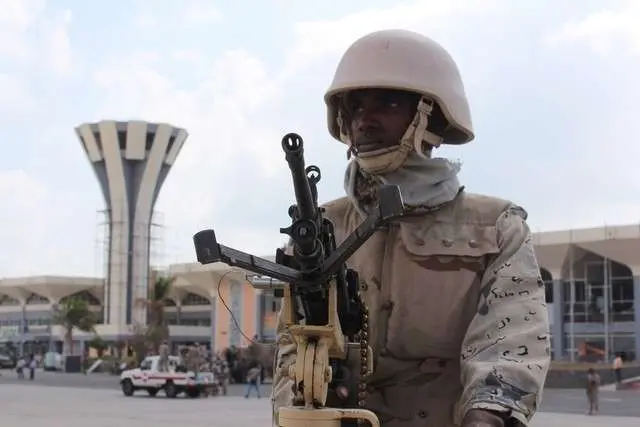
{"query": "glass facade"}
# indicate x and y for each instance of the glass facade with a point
(603, 291)
(597, 309)
(269, 307)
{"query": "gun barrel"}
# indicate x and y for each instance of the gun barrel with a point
(293, 147)
(266, 283)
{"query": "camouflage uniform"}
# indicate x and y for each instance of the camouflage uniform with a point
(163, 352)
(192, 359)
(458, 323)
(203, 357)
(221, 371)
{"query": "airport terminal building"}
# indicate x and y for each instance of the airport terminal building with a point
(592, 279)
(212, 304)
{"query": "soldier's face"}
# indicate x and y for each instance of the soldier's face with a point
(378, 118)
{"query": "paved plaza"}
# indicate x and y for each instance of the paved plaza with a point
(33, 405)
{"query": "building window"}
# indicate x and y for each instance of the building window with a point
(201, 321)
(594, 347)
(548, 284)
(6, 300)
(271, 303)
(195, 299)
(35, 299)
(276, 303)
(601, 293)
(85, 296)
(548, 291)
(168, 302)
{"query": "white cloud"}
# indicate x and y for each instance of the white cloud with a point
(231, 110)
(28, 34)
(23, 198)
(58, 44)
(231, 115)
(187, 13)
(16, 18)
(43, 231)
(21, 189)
(231, 173)
(317, 39)
(14, 94)
(604, 30)
(222, 114)
(145, 21)
(201, 13)
(186, 55)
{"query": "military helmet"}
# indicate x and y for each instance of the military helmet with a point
(408, 61)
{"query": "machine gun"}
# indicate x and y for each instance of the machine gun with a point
(322, 309)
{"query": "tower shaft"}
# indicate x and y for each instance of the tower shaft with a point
(131, 161)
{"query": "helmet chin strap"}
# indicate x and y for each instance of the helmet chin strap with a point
(390, 159)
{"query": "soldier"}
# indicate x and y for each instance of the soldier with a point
(193, 358)
(163, 352)
(182, 354)
(221, 372)
(457, 317)
(203, 354)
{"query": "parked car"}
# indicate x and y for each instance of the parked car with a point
(175, 381)
(6, 362)
(53, 362)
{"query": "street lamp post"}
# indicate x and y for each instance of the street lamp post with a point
(54, 310)
(572, 299)
(605, 293)
(212, 338)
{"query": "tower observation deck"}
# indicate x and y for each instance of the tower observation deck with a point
(131, 161)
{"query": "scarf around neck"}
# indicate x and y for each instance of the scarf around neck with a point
(423, 183)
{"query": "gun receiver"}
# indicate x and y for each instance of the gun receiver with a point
(321, 306)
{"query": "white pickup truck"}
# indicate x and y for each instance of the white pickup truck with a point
(174, 381)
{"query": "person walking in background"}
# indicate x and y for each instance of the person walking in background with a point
(221, 371)
(20, 367)
(253, 380)
(617, 369)
(593, 386)
(32, 367)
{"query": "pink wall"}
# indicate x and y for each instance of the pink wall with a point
(247, 322)
(249, 312)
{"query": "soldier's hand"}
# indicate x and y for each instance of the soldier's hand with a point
(482, 418)
(340, 396)
(342, 392)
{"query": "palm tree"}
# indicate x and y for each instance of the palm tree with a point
(74, 313)
(159, 291)
(99, 344)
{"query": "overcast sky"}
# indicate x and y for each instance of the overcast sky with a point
(553, 87)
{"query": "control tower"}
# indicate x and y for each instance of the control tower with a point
(131, 161)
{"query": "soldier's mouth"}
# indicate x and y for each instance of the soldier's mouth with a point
(370, 146)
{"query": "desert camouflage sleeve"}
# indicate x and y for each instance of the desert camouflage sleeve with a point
(282, 389)
(506, 351)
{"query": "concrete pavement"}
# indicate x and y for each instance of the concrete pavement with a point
(34, 406)
(58, 399)
(612, 403)
(92, 381)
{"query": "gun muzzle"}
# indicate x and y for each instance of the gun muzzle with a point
(293, 147)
